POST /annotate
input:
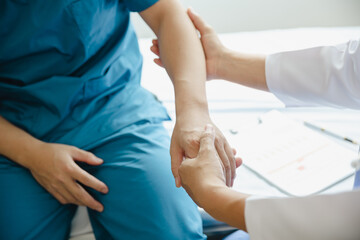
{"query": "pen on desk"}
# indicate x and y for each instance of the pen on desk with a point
(310, 125)
(355, 163)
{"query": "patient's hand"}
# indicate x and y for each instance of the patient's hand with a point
(204, 171)
(54, 167)
(213, 48)
(185, 142)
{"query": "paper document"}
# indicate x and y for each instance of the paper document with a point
(297, 160)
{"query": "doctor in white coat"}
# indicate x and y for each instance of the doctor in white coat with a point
(320, 76)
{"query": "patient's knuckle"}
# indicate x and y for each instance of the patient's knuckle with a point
(59, 179)
(192, 141)
(73, 149)
(69, 168)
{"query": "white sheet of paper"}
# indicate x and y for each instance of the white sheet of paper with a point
(297, 160)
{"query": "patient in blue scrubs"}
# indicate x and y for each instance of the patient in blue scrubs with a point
(76, 128)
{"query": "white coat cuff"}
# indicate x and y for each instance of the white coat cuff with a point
(274, 81)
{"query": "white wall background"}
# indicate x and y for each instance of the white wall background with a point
(253, 15)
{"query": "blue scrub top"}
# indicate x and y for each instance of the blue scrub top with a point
(70, 69)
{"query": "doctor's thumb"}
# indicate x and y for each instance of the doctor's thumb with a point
(207, 139)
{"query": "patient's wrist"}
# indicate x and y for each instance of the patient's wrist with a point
(29, 149)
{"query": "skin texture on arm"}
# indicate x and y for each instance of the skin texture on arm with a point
(222, 63)
(203, 179)
(184, 60)
(52, 165)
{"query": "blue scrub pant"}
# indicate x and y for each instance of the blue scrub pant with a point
(142, 203)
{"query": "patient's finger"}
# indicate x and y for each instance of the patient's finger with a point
(225, 161)
(238, 161)
(89, 180)
(84, 198)
(232, 161)
(176, 155)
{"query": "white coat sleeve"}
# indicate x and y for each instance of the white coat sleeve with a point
(322, 217)
(320, 76)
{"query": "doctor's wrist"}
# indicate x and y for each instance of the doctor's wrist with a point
(205, 191)
(244, 69)
(222, 64)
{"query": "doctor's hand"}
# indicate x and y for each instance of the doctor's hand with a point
(54, 167)
(185, 142)
(206, 170)
(213, 48)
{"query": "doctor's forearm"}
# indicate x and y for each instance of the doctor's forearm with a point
(244, 69)
(225, 205)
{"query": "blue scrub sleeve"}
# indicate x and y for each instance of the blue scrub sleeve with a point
(138, 5)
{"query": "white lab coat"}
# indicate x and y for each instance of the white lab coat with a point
(320, 76)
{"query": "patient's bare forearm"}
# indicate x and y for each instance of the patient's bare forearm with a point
(244, 69)
(181, 55)
(186, 66)
(15, 143)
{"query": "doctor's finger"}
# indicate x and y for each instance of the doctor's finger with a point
(155, 42)
(207, 140)
(158, 62)
(155, 50)
(199, 23)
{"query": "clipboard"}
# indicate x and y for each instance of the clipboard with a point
(292, 157)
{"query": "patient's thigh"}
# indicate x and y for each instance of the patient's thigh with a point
(143, 202)
(27, 210)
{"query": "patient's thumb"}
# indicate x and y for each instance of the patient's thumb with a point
(207, 139)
